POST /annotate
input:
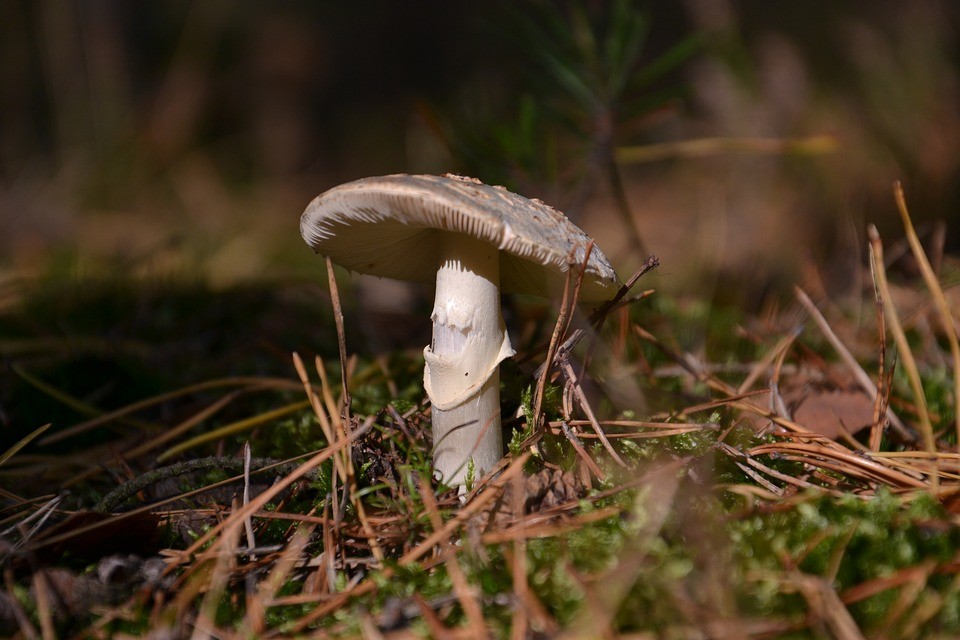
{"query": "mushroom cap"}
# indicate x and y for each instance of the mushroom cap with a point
(391, 226)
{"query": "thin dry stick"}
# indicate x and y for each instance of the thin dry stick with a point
(903, 347)
(551, 353)
(578, 447)
(698, 373)
(559, 427)
(341, 340)
(597, 318)
(933, 284)
(587, 409)
(786, 477)
(861, 376)
(678, 427)
(736, 454)
(763, 482)
(577, 286)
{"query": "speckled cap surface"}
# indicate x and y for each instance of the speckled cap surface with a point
(391, 226)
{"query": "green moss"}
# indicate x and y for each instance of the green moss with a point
(863, 539)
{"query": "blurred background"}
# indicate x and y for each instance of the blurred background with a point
(743, 142)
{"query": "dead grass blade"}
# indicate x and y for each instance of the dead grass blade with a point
(908, 596)
(759, 479)
(339, 427)
(272, 383)
(776, 353)
(325, 425)
(905, 354)
(261, 500)
(224, 566)
(840, 459)
(861, 376)
(638, 428)
(518, 567)
(826, 606)
(706, 147)
(939, 299)
(610, 589)
(175, 432)
(234, 428)
(461, 587)
(44, 595)
(254, 622)
(20, 444)
(473, 506)
(881, 404)
(66, 399)
(24, 624)
(578, 447)
(163, 438)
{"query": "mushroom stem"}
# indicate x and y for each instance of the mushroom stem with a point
(461, 373)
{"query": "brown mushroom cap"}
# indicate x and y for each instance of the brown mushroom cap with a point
(391, 226)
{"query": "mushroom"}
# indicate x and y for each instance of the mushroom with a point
(472, 240)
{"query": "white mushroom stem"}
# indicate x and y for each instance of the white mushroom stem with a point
(461, 375)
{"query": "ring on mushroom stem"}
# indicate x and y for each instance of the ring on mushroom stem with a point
(473, 240)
